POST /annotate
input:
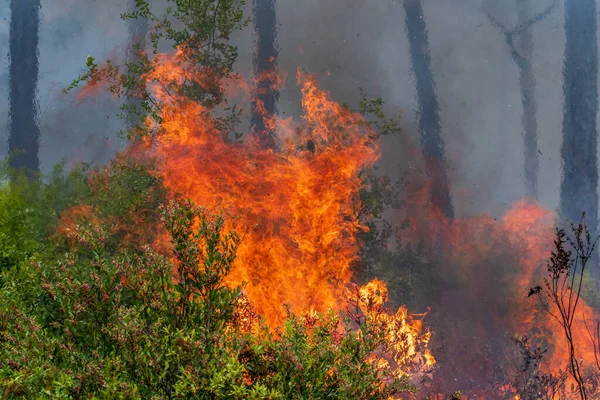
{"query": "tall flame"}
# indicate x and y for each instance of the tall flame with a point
(297, 208)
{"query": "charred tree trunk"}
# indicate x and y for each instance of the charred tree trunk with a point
(23, 142)
(265, 64)
(579, 188)
(430, 129)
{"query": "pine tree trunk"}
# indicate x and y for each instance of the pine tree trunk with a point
(527, 86)
(579, 189)
(23, 141)
(430, 129)
(265, 64)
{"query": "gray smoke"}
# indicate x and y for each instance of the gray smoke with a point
(496, 111)
(72, 129)
(352, 44)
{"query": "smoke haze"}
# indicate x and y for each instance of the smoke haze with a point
(348, 45)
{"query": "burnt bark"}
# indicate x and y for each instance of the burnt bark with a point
(23, 142)
(430, 128)
(265, 64)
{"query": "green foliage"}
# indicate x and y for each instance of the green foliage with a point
(374, 107)
(100, 314)
(29, 210)
(205, 259)
(120, 324)
(314, 358)
(200, 30)
(126, 186)
(103, 314)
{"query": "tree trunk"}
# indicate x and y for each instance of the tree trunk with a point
(527, 86)
(265, 64)
(579, 188)
(23, 141)
(432, 144)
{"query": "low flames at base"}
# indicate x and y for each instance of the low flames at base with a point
(474, 252)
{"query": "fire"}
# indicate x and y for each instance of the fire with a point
(496, 261)
(404, 333)
(531, 227)
(69, 227)
(296, 207)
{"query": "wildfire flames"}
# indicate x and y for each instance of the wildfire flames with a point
(469, 247)
(297, 208)
(404, 333)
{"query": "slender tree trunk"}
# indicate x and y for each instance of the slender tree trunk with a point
(527, 86)
(430, 129)
(23, 141)
(579, 188)
(138, 28)
(521, 51)
(265, 64)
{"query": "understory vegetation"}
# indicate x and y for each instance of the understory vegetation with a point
(86, 311)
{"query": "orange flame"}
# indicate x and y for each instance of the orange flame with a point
(297, 208)
(405, 338)
(526, 233)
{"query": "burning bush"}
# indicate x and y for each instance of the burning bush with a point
(133, 323)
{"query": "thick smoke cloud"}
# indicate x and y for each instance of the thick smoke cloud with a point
(365, 44)
(71, 129)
